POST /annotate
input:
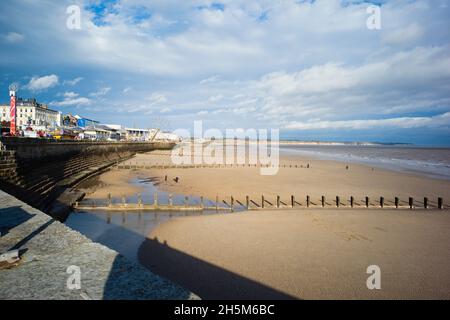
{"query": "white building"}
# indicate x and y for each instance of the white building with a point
(28, 111)
(167, 136)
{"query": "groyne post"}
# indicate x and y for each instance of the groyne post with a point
(247, 202)
(411, 203)
(323, 201)
(381, 202)
(307, 201)
(351, 201)
(367, 202)
(425, 203)
(278, 201)
(231, 203)
(396, 202)
(440, 203)
(292, 201)
(262, 201)
(337, 201)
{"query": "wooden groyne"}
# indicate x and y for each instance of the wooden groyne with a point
(137, 165)
(264, 203)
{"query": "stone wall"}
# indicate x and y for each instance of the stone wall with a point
(42, 172)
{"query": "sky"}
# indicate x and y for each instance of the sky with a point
(312, 69)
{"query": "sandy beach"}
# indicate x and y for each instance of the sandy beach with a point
(328, 178)
(297, 254)
(304, 254)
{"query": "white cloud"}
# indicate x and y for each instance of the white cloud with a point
(101, 92)
(216, 98)
(13, 37)
(71, 99)
(70, 95)
(42, 83)
(401, 122)
(165, 110)
(408, 34)
(209, 80)
(73, 81)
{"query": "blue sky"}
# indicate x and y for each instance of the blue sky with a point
(310, 68)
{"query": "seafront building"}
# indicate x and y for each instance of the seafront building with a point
(29, 111)
(34, 119)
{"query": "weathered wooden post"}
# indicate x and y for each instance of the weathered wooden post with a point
(262, 201)
(351, 201)
(323, 201)
(307, 201)
(381, 202)
(411, 203)
(292, 201)
(247, 202)
(337, 201)
(278, 201)
(425, 203)
(231, 203)
(367, 202)
(165, 178)
(109, 200)
(440, 203)
(396, 202)
(155, 200)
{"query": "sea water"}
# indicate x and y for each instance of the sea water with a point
(431, 162)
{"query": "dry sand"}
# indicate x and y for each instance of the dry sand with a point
(321, 254)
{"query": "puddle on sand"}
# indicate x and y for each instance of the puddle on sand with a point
(125, 232)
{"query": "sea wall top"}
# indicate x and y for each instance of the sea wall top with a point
(36, 149)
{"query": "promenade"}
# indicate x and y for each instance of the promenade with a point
(48, 248)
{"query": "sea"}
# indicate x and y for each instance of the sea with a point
(426, 161)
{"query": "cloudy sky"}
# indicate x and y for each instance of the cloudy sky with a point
(313, 69)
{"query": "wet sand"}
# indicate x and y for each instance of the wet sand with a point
(115, 182)
(328, 178)
(321, 254)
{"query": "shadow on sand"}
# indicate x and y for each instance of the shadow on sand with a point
(204, 279)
